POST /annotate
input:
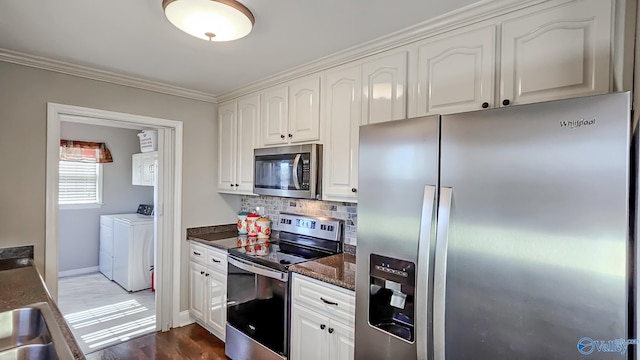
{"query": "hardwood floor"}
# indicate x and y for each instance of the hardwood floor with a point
(189, 342)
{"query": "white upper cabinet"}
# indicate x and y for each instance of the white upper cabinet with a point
(557, 53)
(247, 130)
(455, 73)
(227, 120)
(304, 110)
(291, 114)
(384, 88)
(238, 123)
(341, 122)
(274, 116)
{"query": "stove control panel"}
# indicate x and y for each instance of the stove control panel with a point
(319, 227)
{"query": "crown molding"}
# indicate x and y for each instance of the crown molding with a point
(476, 12)
(101, 75)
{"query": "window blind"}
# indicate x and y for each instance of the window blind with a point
(79, 183)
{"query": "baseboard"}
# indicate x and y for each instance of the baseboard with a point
(186, 318)
(87, 270)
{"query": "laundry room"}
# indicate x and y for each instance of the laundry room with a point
(106, 232)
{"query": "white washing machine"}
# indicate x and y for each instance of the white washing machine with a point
(131, 248)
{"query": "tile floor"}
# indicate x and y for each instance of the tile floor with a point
(100, 313)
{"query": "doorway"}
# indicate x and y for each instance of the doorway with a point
(168, 200)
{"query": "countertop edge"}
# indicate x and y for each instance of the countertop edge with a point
(329, 280)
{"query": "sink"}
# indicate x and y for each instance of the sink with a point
(32, 333)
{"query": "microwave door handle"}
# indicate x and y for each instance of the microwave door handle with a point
(296, 162)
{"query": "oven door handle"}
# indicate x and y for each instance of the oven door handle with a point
(296, 163)
(258, 269)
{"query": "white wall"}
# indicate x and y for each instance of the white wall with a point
(79, 238)
(24, 93)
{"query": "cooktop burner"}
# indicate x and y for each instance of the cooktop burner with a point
(301, 238)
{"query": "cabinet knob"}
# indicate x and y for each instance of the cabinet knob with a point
(232, 185)
(506, 102)
(485, 105)
(237, 185)
(201, 272)
(207, 274)
(290, 136)
(354, 190)
(281, 136)
(330, 330)
(322, 326)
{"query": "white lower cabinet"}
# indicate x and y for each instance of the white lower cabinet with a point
(208, 288)
(322, 321)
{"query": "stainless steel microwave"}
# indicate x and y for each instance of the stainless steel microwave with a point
(289, 171)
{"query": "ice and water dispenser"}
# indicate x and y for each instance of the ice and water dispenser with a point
(391, 296)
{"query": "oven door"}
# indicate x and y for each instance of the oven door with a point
(257, 300)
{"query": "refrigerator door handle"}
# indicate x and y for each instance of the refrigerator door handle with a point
(440, 272)
(422, 282)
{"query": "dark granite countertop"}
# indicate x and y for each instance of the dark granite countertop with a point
(221, 240)
(337, 269)
(22, 285)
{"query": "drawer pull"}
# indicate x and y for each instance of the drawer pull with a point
(197, 253)
(328, 302)
(215, 261)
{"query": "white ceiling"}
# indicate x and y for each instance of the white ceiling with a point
(134, 38)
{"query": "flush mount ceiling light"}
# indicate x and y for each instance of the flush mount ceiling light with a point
(213, 20)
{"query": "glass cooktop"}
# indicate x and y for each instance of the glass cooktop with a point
(277, 254)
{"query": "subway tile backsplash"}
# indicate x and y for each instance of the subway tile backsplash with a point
(273, 206)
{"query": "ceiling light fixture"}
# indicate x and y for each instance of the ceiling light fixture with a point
(213, 20)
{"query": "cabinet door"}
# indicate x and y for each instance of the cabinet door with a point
(217, 302)
(247, 138)
(136, 169)
(149, 161)
(197, 288)
(456, 73)
(274, 116)
(308, 334)
(384, 84)
(227, 147)
(342, 118)
(342, 340)
(304, 110)
(557, 53)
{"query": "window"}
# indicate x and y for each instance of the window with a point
(80, 173)
(80, 184)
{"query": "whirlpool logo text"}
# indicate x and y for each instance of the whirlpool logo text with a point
(577, 123)
(587, 346)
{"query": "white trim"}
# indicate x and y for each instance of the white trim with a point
(186, 318)
(87, 270)
(167, 309)
(38, 62)
(64, 207)
(476, 12)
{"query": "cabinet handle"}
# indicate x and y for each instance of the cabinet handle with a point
(196, 253)
(290, 136)
(207, 274)
(328, 302)
(485, 105)
(506, 102)
(322, 326)
(330, 330)
(281, 136)
(354, 190)
(201, 272)
(215, 261)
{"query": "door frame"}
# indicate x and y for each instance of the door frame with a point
(168, 193)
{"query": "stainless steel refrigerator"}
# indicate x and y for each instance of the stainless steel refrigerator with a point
(497, 234)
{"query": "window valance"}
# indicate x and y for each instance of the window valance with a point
(84, 151)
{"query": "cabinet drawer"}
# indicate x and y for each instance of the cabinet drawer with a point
(217, 260)
(326, 298)
(198, 253)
